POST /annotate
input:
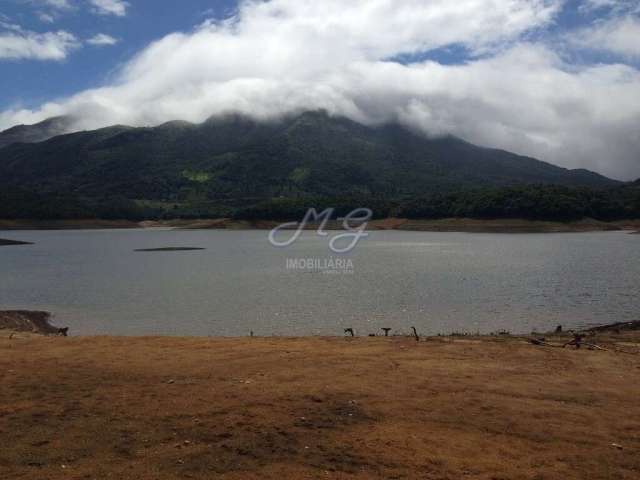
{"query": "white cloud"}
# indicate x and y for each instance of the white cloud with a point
(61, 4)
(620, 36)
(17, 43)
(48, 11)
(110, 7)
(617, 6)
(284, 56)
(102, 39)
(598, 4)
(46, 17)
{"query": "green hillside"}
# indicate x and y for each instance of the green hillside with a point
(232, 162)
(35, 133)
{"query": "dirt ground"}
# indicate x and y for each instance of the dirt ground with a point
(364, 408)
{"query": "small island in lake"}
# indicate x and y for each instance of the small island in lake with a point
(5, 243)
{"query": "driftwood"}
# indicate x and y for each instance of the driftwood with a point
(579, 338)
(542, 342)
(415, 334)
(577, 341)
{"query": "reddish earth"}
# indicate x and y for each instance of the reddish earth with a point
(364, 408)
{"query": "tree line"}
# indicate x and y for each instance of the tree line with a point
(533, 202)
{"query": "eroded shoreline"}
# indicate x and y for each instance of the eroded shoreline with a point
(39, 323)
(443, 225)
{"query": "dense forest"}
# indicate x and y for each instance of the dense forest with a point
(235, 167)
(236, 159)
(534, 202)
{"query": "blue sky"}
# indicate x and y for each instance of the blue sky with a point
(29, 83)
(555, 79)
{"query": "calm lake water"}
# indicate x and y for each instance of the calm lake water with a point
(96, 283)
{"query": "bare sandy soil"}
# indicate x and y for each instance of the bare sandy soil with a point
(318, 408)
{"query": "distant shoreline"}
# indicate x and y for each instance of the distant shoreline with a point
(39, 323)
(442, 225)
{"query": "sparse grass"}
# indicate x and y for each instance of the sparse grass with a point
(361, 408)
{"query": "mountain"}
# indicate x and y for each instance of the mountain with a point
(35, 133)
(234, 158)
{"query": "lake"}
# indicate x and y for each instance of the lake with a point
(96, 283)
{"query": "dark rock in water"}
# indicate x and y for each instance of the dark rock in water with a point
(6, 243)
(169, 249)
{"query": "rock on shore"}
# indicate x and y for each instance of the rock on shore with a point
(28, 321)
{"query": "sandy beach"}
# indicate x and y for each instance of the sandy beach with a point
(310, 408)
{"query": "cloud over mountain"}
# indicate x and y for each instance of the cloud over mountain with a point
(281, 56)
